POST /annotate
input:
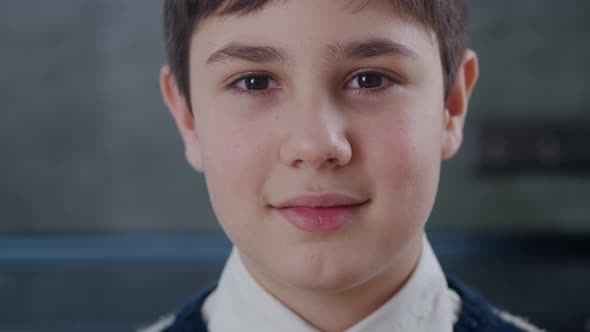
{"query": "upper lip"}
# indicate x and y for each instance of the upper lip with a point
(321, 200)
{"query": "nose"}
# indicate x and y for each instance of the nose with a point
(316, 138)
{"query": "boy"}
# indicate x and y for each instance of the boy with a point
(320, 126)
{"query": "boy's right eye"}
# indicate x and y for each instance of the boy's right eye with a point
(254, 84)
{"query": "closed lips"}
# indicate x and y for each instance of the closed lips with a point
(322, 201)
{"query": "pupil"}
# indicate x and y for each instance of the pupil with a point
(257, 83)
(368, 81)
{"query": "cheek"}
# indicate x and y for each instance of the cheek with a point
(411, 153)
(405, 145)
(235, 163)
(406, 170)
(235, 140)
(404, 154)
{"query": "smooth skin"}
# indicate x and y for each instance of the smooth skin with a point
(311, 118)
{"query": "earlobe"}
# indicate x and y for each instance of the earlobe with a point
(457, 104)
(180, 111)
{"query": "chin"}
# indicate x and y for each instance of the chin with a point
(323, 273)
(325, 284)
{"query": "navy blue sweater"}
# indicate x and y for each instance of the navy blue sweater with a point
(476, 314)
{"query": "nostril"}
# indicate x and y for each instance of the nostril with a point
(297, 163)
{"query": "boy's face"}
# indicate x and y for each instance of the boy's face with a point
(325, 113)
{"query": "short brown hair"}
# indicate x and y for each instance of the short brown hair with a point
(446, 18)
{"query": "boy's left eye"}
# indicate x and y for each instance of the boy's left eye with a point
(369, 81)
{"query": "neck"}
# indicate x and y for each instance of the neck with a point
(338, 311)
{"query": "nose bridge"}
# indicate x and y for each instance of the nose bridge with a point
(319, 121)
(316, 134)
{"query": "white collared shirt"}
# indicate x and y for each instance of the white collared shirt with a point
(424, 303)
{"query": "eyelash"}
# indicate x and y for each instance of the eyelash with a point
(249, 93)
(258, 93)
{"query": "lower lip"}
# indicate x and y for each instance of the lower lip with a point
(317, 220)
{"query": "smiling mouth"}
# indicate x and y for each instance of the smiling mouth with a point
(321, 218)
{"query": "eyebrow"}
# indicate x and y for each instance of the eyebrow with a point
(247, 53)
(367, 49)
(351, 50)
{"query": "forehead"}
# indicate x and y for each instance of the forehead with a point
(408, 10)
(220, 8)
(244, 7)
(305, 25)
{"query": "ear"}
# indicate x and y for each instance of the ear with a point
(177, 104)
(457, 102)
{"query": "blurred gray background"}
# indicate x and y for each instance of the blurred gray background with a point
(89, 151)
